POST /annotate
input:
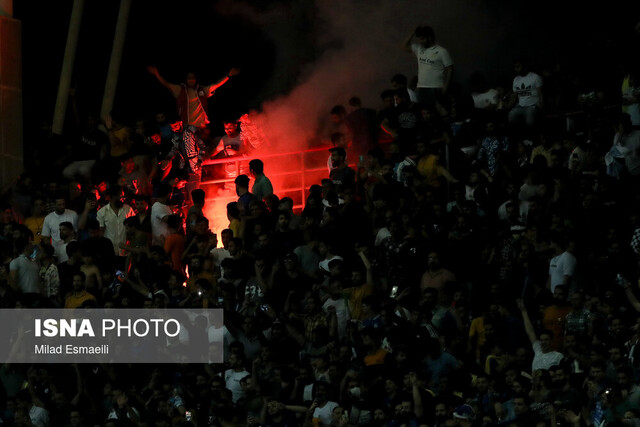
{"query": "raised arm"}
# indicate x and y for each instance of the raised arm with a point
(232, 72)
(388, 128)
(528, 326)
(418, 407)
(367, 266)
(174, 88)
(406, 44)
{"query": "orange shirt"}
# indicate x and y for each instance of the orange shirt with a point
(376, 358)
(73, 301)
(553, 319)
(35, 225)
(428, 168)
(356, 294)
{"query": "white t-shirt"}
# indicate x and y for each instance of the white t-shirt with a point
(28, 273)
(324, 264)
(159, 229)
(382, 234)
(431, 64)
(51, 227)
(560, 266)
(324, 413)
(232, 382)
(113, 225)
(527, 88)
(485, 99)
(544, 360)
(39, 416)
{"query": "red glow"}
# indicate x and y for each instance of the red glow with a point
(291, 174)
(176, 127)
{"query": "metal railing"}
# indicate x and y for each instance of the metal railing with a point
(291, 172)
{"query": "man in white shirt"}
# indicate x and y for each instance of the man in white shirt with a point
(322, 407)
(222, 253)
(24, 272)
(562, 266)
(544, 355)
(233, 375)
(67, 235)
(435, 66)
(160, 212)
(111, 218)
(51, 226)
(527, 95)
(37, 414)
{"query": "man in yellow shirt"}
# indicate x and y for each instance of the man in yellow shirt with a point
(36, 220)
(79, 295)
(360, 289)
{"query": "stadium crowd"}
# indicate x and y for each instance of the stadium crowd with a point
(478, 266)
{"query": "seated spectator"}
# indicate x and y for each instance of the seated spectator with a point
(526, 99)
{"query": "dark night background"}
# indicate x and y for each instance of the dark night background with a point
(210, 37)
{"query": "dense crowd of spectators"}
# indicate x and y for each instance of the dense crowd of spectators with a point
(478, 265)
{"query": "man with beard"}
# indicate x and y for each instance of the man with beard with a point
(524, 417)
(526, 98)
(440, 414)
(435, 66)
(275, 414)
(287, 277)
(322, 408)
(436, 276)
(544, 356)
(234, 375)
(405, 120)
(563, 394)
(232, 144)
(405, 413)
(67, 234)
(380, 417)
(51, 226)
(579, 320)
(630, 391)
(111, 218)
(143, 213)
(191, 98)
(341, 174)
